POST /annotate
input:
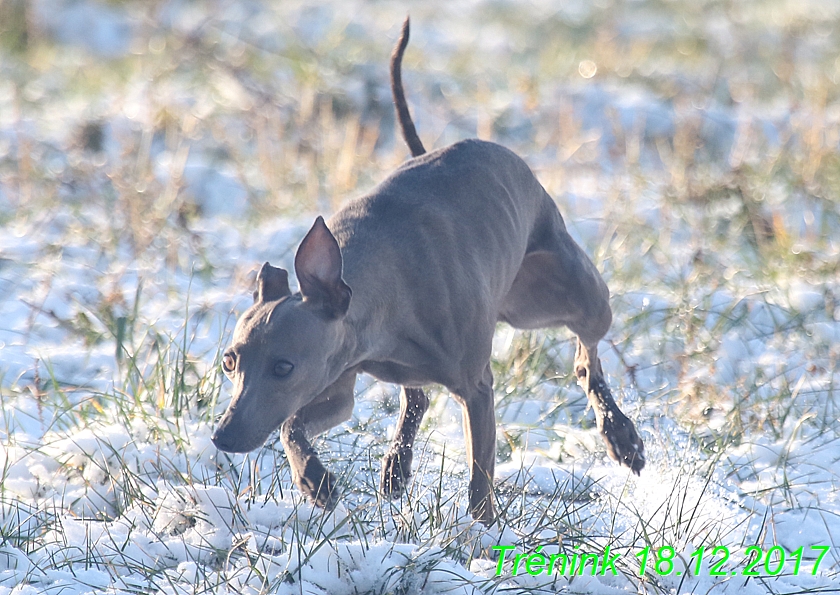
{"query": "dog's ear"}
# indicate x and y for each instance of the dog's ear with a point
(272, 284)
(318, 269)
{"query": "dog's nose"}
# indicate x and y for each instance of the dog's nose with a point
(234, 438)
(224, 441)
(218, 440)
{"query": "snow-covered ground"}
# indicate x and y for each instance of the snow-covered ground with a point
(153, 155)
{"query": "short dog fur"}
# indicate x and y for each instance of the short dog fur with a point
(407, 284)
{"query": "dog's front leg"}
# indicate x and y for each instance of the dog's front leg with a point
(308, 473)
(480, 436)
(623, 443)
(330, 408)
(396, 464)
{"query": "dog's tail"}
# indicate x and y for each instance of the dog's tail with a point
(406, 125)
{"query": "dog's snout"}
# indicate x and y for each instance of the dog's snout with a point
(222, 441)
(239, 434)
(226, 438)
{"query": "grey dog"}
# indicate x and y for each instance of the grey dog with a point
(407, 284)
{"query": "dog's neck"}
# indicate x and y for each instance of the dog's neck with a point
(362, 336)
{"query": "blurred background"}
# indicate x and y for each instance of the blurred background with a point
(267, 107)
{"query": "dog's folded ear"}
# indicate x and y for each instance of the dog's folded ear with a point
(318, 268)
(272, 284)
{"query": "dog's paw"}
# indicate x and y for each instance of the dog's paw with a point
(396, 471)
(481, 500)
(318, 484)
(623, 443)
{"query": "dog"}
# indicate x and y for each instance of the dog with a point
(407, 284)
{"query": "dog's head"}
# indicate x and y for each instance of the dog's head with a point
(286, 348)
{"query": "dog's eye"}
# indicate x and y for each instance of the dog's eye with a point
(229, 363)
(283, 368)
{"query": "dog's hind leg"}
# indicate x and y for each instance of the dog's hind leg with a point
(396, 464)
(558, 285)
(480, 436)
(332, 407)
(619, 433)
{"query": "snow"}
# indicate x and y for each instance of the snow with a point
(111, 332)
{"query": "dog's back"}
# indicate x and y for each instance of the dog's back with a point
(470, 208)
(449, 230)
